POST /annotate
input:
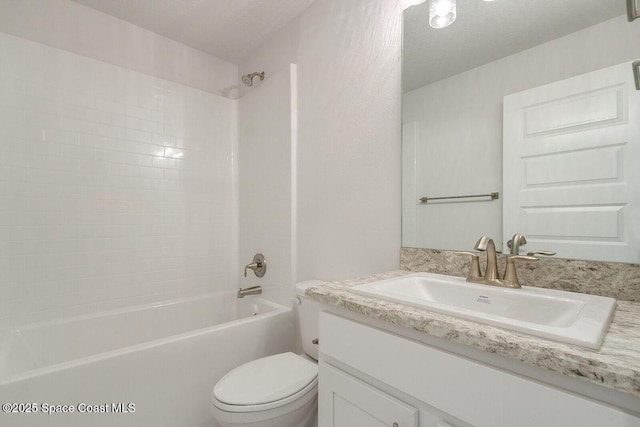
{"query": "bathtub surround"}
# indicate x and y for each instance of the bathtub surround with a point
(116, 187)
(266, 174)
(611, 279)
(348, 56)
(348, 126)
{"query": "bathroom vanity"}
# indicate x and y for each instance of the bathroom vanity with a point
(387, 364)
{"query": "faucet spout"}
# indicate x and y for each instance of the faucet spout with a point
(486, 244)
(254, 290)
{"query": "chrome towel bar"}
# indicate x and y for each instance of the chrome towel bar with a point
(491, 196)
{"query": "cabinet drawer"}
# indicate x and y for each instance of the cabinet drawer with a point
(473, 392)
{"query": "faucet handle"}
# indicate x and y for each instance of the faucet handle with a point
(474, 271)
(463, 253)
(545, 253)
(510, 275)
(259, 266)
(515, 258)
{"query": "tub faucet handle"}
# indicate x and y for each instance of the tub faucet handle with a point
(259, 266)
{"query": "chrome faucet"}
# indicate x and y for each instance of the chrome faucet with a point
(254, 290)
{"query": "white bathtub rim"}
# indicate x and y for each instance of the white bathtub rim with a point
(278, 309)
(128, 309)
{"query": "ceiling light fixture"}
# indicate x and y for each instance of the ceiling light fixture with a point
(442, 13)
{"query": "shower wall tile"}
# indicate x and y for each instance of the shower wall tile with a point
(116, 187)
(348, 165)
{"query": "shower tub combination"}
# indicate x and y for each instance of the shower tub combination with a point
(149, 365)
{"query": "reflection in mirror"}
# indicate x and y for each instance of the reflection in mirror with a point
(454, 82)
(633, 10)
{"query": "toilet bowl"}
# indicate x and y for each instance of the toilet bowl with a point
(274, 391)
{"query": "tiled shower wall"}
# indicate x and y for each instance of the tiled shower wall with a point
(116, 187)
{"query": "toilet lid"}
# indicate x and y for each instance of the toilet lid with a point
(265, 380)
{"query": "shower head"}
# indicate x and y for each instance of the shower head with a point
(248, 78)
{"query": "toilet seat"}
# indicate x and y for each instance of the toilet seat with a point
(301, 398)
(267, 383)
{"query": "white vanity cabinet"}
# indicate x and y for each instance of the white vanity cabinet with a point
(370, 377)
(349, 402)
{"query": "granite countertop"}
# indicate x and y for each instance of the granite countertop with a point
(615, 365)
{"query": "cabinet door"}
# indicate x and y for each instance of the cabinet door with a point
(347, 402)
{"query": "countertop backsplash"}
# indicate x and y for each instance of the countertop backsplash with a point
(617, 280)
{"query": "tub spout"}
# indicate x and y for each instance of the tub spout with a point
(254, 290)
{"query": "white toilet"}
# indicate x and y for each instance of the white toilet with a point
(274, 391)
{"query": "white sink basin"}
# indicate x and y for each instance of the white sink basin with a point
(562, 316)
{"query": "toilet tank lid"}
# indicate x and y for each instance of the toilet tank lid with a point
(265, 380)
(303, 286)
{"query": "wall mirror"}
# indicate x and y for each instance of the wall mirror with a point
(455, 80)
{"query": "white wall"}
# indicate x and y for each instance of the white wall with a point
(461, 117)
(85, 31)
(348, 55)
(116, 187)
(266, 182)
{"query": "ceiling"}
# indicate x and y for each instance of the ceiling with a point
(483, 31)
(486, 31)
(227, 29)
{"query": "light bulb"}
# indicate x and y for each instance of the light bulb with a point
(442, 13)
(443, 7)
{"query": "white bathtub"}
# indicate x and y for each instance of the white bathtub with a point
(152, 365)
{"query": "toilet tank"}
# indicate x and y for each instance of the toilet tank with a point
(308, 313)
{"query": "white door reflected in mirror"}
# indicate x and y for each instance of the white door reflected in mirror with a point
(454, 82)
(570, 161)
